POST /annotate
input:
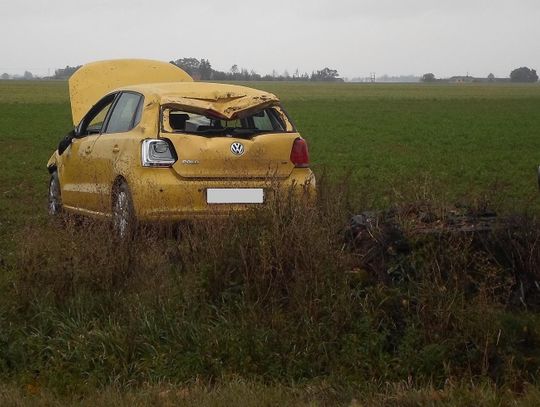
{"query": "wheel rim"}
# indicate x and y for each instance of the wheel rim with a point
(54, 196)
(121, 214)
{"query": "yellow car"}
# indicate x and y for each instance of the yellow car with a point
(151, 145)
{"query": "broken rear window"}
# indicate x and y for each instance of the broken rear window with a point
(269, 120)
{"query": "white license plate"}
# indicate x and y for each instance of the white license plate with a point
(234, 195)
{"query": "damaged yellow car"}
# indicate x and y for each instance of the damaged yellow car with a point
(152, 145)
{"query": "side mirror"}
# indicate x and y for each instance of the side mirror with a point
(66, 141)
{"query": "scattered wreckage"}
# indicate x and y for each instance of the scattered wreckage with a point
(478, 241)
(377, 237)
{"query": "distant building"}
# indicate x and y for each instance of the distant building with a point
(461, 79)
(472, 79)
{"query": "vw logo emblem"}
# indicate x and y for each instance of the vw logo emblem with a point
(237, 148)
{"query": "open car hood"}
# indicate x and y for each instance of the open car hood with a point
(94, 80)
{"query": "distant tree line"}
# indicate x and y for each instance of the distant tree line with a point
(202, 70)
(26, 75)
(65, 73)
(523, 75)
(61, 73)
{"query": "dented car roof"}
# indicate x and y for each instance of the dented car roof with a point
(164, 84)
(222, 100)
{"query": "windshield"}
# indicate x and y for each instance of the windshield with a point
(269, 120)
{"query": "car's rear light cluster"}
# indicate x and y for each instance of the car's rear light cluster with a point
(299, 153)
(158, 153)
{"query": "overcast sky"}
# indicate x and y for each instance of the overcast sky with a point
(356, 37)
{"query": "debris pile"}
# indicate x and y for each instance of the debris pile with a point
(386, 243)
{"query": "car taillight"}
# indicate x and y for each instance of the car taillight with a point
(157, 153)
(299, 153)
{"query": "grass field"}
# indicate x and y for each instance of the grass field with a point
(461, 140)
(78, 314)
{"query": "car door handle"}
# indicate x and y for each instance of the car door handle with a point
(88, 150)
(116, 149)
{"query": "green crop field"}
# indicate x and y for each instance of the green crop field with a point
(460, 140)
(80, 316)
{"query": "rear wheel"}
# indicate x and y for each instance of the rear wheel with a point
(55, 199)
(123, 215)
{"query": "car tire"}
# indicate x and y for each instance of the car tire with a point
(123, 214)
(54, 197)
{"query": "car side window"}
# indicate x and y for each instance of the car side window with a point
(261, 121)
(95, 125)
(93, 122)
(125, 113)
(267, 120)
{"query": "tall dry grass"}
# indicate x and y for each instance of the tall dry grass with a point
(273, 294)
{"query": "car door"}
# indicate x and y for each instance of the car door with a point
(118, 146)
(77, 173)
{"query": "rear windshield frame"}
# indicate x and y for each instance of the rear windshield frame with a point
(277, 112)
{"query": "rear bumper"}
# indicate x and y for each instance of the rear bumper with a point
(162, 195)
